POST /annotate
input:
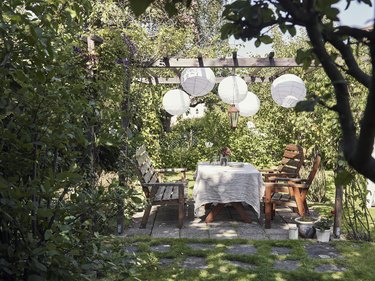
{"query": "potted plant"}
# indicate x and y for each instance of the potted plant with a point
(306, 226)
(323, 229)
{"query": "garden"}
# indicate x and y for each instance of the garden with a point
(79, 96)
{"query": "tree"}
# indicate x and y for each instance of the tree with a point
(248, 20)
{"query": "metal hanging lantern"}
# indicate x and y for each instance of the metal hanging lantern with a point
(234, 115)
(197, 81)
(250, 105)
(287, 90)
(232, 89)
(176, 102)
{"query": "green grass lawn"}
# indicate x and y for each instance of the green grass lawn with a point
(357, 258)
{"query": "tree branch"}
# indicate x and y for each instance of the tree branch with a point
(341, 90)
(347, 54)
(359, 34)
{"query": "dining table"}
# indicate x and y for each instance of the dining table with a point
(235, 184)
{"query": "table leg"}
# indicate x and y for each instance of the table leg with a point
(215, 210)
(242, 212)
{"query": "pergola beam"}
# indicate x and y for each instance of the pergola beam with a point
(175, 80)
(233, 62)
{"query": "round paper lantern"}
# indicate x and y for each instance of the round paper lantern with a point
(250, 105)
(287, 90)
(176, 102)
(232, 90)
(197, 81)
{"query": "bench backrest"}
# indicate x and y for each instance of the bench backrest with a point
(292, 160)
(145, 169)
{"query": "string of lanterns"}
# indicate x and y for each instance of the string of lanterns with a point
(287, 90)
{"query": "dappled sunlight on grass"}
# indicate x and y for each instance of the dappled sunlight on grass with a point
(337, 275)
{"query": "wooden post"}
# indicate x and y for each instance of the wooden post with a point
(91, 132)
(125, 121)
(339, 196)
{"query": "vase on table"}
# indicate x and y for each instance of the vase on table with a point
(223, 160)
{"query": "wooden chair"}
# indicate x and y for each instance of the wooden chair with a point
(156, 191)
(289, 192)
(290, 165)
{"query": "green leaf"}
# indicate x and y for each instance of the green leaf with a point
(308, 106)
(171, 9)
(265, 39)
(139, 7)
(257, 43)
(38, 265)
(48, 234)
(292, 30)
(34, 277)
(343, 178)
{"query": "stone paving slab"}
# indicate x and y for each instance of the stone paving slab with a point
(286, 265)
(241, 249)
(222, 232)
(329, 268)
(163, 248)
(166, 261)
(201, 246)
(243, 265)
(322, 251)
(165, 232)
(277, 234)
(281, 251)
(193, 262)
(200, 233)
(137, 232)
(163, 224)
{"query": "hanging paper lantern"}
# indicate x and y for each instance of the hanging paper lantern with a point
(176, 102)
(287, 90)
(197, 81)
(232, 90)
(250, 105)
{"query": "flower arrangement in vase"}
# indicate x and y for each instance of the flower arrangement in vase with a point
(225, 152)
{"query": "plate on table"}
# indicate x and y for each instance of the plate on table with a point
(235, 164)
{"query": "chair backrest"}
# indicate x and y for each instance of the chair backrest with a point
(292, 160)
(145, 169)
(314, 170)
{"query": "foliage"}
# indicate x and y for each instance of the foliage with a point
(358, 221)
(324, 223)
(248, 20)
(59, 129)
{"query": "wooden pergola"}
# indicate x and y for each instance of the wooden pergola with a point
(256, 65)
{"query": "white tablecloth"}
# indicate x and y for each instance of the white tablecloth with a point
(225, 184)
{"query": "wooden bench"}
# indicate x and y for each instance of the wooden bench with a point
(156, 191)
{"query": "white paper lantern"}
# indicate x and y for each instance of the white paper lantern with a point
(176, 102)
(250, 105)
(287, 90)
(197, 81)
(232, 90)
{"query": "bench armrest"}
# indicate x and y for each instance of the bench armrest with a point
(166, 184)
(171, 170)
